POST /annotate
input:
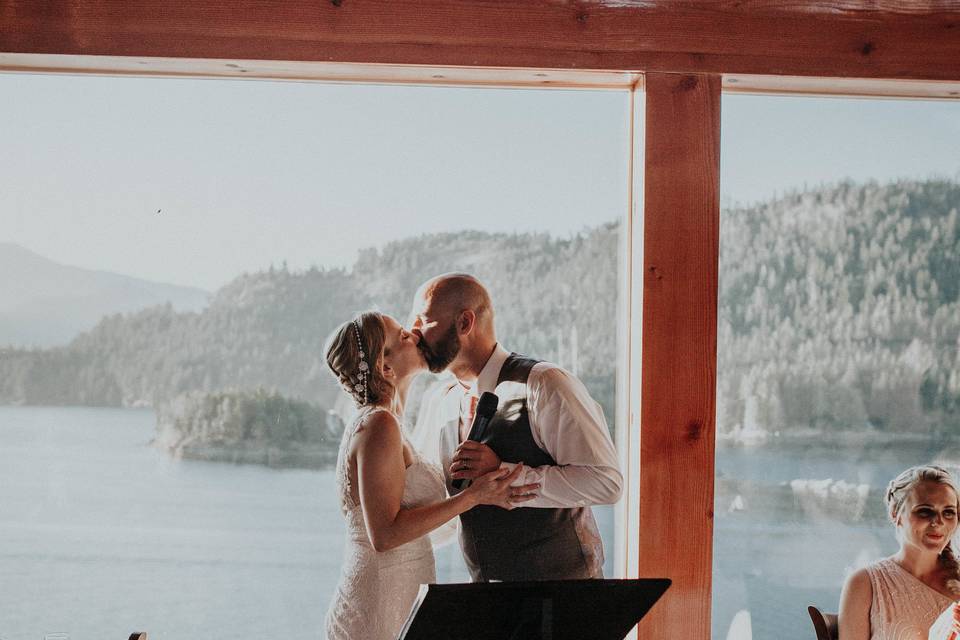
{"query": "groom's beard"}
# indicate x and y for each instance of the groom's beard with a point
(439, 356)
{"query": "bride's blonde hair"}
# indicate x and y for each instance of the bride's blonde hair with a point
(896, 496)
(342, 349)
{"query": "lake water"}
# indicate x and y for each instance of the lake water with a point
(794, 518)
(101, 535)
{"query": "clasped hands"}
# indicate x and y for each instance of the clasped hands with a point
(473, 460)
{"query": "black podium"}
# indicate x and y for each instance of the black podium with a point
(554, 610)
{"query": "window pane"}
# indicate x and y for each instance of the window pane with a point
(838, 342)
(174, 254)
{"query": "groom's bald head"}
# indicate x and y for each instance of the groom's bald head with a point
(451, 293)
(453, 318)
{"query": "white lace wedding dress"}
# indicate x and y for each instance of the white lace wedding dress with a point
(376, 589)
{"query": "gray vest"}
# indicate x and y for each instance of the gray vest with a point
(526, 543)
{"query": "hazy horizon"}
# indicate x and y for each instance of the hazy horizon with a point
(569, 234)
(193, 182)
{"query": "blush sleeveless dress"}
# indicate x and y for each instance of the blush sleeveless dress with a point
(902, 608)
(377, 589)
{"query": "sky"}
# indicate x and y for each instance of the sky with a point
(195, 181)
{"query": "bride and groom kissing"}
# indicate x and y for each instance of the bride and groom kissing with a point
(523, 494)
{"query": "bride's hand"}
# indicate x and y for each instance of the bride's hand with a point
(494, 488)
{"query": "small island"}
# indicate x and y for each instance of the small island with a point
(258, 427)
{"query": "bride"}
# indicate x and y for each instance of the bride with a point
(390, 496)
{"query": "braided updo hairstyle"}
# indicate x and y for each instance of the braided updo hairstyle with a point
(897, 492)
(343, 358)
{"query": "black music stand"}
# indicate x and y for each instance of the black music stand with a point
(551, 610)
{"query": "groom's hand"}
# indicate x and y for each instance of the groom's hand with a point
(472, 460)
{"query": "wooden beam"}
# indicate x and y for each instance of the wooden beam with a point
(494, 77)
(336, 72)
(679, 348)
(870, 39)
(846, 87)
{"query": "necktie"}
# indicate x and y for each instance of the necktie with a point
(472, 413)
(469, 411)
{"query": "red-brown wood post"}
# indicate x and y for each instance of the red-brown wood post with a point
(679, 344)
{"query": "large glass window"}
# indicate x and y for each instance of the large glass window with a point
(174, 253)
(839, 327)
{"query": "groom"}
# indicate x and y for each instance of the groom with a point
(546, 422)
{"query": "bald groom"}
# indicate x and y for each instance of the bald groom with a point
(546, 421)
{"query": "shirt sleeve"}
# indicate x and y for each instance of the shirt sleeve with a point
(569, 425)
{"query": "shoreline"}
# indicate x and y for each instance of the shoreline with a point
(310, 458)
(867, 436)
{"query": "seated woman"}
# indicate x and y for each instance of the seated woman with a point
(899, 598)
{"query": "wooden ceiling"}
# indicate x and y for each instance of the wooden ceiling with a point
(918, 40)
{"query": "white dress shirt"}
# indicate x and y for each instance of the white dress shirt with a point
(569, 425)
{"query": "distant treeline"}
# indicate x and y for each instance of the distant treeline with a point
(838, 309)
(258, 427)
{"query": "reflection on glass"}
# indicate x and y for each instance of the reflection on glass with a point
(838, 368)
(167, 466)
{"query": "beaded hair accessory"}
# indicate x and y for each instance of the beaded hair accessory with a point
(363, 368)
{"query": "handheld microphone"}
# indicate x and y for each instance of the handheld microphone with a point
(486, 408)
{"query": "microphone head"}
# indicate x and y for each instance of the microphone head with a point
(487, 405)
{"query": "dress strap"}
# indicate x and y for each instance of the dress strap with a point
(366, 412)
(370, 410)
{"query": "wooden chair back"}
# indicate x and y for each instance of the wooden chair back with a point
(825, 624)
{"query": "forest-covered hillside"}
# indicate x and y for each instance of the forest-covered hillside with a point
(267, 329)
(838, 309)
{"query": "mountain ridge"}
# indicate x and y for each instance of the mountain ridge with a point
(850, 325)
(44, 303)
